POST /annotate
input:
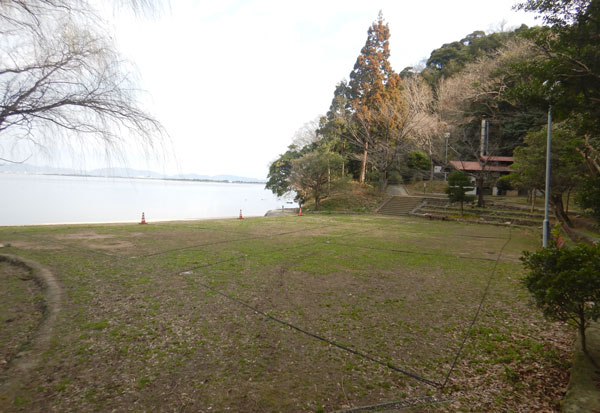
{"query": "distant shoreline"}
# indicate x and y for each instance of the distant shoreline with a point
(224, 181)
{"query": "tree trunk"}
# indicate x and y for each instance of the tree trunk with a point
(559, 209)
(582, 333)
(533, 191)
(344, 155)
(382, 182)
(363, 164)
(328, 179)
(384, 169)
(480, 200)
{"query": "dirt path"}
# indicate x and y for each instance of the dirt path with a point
(27, 360)
(397, 190)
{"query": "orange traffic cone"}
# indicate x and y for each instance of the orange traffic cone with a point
(241, 217)
(300, 213)
(143, 220)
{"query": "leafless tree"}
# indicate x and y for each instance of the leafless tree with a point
(480, 84)
(61, 77)
(398, 125)
(413, 125)
(424, 127)
(476, 92)
(307, 134)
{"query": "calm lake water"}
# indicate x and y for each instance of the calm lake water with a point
(48, 199)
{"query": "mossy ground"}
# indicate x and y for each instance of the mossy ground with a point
(161, 317)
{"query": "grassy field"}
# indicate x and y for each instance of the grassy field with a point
(312, 313)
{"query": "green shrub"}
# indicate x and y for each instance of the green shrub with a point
(394, 177)
(458, 186)
(588, 197)
(504, 184)
(564, 283)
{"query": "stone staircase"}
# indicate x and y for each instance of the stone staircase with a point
(399, 205)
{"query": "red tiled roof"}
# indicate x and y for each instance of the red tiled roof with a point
(472, 166)
(498, 158)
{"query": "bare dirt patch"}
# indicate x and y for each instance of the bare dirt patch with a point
(21, 311)
(113, 245)
(33, 245)
(83, 236)
(39, 332)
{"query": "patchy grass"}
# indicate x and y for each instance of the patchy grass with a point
(180, 316)
(426, 187)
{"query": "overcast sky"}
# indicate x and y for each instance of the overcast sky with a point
(233, 80)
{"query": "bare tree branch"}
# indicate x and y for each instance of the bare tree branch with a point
(61, 77)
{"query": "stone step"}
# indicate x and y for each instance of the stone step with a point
(487, 211)
(399, 205)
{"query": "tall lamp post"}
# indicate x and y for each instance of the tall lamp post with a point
(546, 231)
(446, 135)
(546, 234)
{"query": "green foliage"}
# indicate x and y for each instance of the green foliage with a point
(312, 172)
(504, 183)
(588, 196)
(566, 164)
(373, 176)
(395, 177)
(419, 160)
(452, 57)
(458, 186)
(569, 74)
(565, 284)
(281, 169)
(558, 13)
(96, 325)
(332, 126)
(459, 179)
(570, 45)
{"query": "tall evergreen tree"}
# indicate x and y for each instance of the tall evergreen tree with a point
(333, 126)
(368, 87)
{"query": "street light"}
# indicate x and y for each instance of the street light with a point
(546, 230)
(446, 135)
(547, 190)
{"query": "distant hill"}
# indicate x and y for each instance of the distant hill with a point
(232, 178)
(125, 173)
(119, 173)
(32, 169)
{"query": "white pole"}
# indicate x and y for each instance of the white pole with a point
(546, 234)
(446, 135)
